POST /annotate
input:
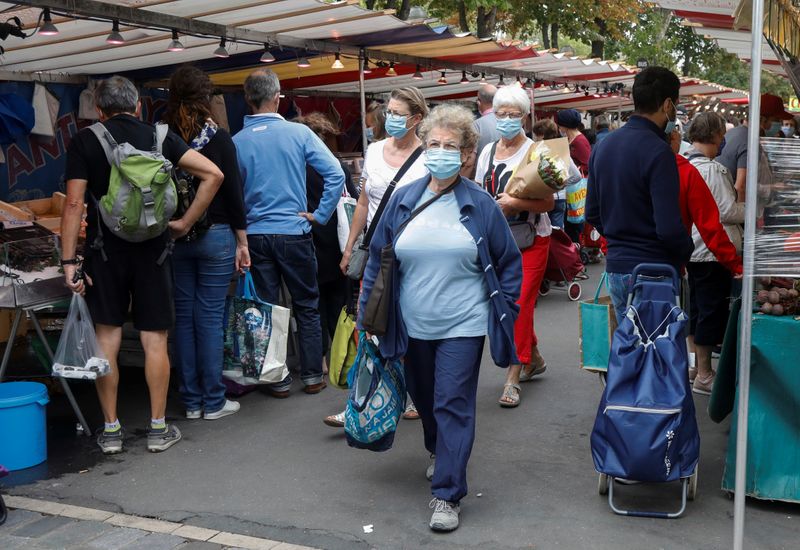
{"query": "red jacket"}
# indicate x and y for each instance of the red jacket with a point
(699, 208)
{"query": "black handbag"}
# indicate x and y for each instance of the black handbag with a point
(524, 233)
(360, 253)
(376, 312)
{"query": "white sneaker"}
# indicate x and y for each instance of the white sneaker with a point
(194, 415)
(445, 515)
(229, 408)
(429, 472)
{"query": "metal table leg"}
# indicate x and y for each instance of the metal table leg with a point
(10, 343)
(67, 390)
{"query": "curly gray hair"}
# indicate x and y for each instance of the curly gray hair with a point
(456, 118)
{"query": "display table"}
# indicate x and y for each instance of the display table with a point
(773, 437)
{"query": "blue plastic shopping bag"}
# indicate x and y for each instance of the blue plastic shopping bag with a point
(377, 399)
(256, 337)
(576, 201)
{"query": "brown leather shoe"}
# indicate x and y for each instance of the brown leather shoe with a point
(276, 394)
(315, 388)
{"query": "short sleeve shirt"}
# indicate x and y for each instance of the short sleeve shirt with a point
(378, 174)
(734, 154)
(87, 161)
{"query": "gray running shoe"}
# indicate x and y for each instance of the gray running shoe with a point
(430, 470)
(110, 442)
(445, 515)
(161, 440)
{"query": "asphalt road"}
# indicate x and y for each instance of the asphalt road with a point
(275, 471)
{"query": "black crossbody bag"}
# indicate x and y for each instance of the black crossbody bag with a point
(360, 254)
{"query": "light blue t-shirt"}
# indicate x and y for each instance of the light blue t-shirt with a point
(443, 291)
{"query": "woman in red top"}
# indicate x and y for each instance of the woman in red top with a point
(570, 124)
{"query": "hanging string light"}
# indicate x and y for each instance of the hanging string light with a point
(391, 71)
(337, 62)
(267, 56)
(464, 79)
(442, 79)
(47, 28)
(221, 51)
(303, 62)
(175, 45)
(418, 74)
(115, 38)
(501, 83)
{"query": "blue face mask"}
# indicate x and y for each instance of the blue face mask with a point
(509, 127)
(442, 164)
(788, 131)
(370, 134)
(671, 124)
(774, 129)
(396, 126)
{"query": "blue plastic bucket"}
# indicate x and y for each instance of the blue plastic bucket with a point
(23, 426)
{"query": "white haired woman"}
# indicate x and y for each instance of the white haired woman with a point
(457, 278)
(496, 165)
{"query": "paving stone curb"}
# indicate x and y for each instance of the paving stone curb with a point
(130, 523)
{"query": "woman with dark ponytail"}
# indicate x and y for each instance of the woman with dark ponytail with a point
(205, 259)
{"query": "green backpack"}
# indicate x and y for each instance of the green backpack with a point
(141, 197)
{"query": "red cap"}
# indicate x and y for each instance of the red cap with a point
(772, 106)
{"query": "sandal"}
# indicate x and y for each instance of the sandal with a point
(411, 412)
(527, 376)
(510, 397)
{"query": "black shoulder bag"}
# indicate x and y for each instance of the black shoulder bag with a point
(360, 254)
(376, 312)
(523, 231)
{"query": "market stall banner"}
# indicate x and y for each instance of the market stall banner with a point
(33, 166)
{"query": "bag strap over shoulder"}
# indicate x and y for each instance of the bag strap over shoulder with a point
(489, 177)
(107, 141)
(159, 136)
(417, 211)
(388, 194)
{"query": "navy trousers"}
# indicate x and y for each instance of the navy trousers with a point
(292, 258)
(442, 379)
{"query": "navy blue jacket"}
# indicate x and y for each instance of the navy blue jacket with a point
(633, 198)
(498, 253)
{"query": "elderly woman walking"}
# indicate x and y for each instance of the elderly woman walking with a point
(496, 165)
(458, 273)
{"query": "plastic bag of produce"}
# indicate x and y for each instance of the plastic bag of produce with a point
(78, 355)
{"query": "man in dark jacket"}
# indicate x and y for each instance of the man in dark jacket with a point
(633, 187)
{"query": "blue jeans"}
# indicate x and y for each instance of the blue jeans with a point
(442, 379)
(203, 271)
(558, 213)
(619, 285)
(292, 258)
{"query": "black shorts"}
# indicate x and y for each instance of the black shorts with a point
(131, 280)
(709, 298)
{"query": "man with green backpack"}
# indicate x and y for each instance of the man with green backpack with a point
(124, 169)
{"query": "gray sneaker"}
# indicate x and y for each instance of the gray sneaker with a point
(161, 440)
(430, 470)
(445, 515)
(110, 442)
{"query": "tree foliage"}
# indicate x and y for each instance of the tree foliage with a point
(628, 30)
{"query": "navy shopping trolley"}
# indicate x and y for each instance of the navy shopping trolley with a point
(645, 429)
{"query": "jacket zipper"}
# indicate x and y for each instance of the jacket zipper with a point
(646, 410)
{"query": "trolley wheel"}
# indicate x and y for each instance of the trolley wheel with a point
(691, 490)
(544, 288)
(574, 291)
(602, 484)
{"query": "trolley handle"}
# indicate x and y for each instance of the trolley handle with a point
(656, 270)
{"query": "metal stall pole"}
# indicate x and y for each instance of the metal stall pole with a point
(753, 156)
(361, 59)
(533, 108)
